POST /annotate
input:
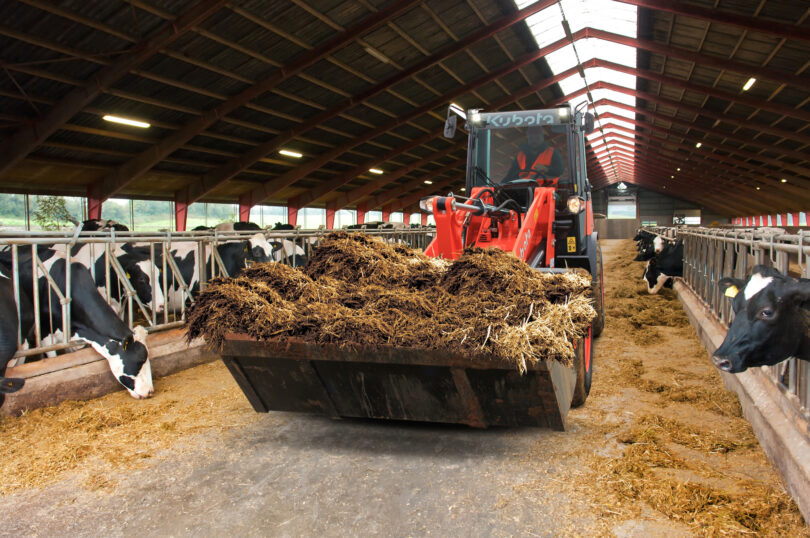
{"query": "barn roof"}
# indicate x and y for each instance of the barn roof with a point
(361, 84)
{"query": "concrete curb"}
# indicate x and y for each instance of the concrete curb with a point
(779, 432)
(84, 374)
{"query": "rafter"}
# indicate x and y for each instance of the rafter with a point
(27, 138)
(231, 169)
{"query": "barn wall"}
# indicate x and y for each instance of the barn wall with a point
(651, 206)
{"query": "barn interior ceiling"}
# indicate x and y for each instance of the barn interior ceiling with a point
(340, 103)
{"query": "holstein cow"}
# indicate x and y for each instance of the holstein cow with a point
(288, 252)
(96, 225)
(92, 320)
(234, 254)
(8, 332)
(230, 227)
(771, 320)
(664, 267)
(136, 262)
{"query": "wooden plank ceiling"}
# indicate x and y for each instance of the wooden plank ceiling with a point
(360, 84)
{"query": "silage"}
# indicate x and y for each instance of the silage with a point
(359, 291)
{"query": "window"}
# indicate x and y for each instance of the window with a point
(151, 215)
(416, 218)
(372, 216)
(310, 218)
(345, 217)
(117, 209)
(621, 207)
(689, 217)
(12, 211)
(396, 217)
(649, 223)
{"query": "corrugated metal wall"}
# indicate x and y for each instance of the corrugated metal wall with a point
(652, 207)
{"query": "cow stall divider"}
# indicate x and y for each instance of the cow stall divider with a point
(711, 254)
(293, 247)
(775, 399)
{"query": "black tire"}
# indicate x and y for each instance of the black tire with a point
(598, 296)
(584, 372)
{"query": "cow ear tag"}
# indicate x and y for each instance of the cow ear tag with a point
(128, 276)
(246, 249)
(732, 291)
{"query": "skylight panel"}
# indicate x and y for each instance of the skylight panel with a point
(607, 15)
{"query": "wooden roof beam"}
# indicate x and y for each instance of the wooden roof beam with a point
(131, 170)
(231, 169)
(27, 138)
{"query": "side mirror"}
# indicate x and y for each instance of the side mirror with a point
(450, 124)
(588, 122)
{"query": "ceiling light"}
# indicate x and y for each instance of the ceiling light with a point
(621, 186)
(126, 121)
(463, 189)
(748, 84)
(377, 54)
(677, 169)
(783, 180)
(375, 171)
(671, 177)
(290, 153)
(757, 188)
(698, 144)
(428, 182)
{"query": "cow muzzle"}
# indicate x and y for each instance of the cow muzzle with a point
(724, 363)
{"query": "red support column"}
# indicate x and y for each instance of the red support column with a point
(424, 219)
(180, 215)
(361, 214)
(330, 219)
(245, 205)
(94, 203)
(386, 212)
(292, 215)
(784, 219)
(795, 219)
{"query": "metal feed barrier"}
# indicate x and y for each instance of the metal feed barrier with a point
(711, 253)
(130, 307)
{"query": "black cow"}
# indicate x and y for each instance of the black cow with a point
(93, 321)
(280, 226)
(289, 252)
(8, 331)
(234, 254)
(771, 320)
(664, 267)
(241, 226)
(96, 225)
(136, 261)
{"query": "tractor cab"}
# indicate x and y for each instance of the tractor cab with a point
(526, 188)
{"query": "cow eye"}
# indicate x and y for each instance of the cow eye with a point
(766, 313)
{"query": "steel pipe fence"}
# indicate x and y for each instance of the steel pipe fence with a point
(119, 292)
(711, 254)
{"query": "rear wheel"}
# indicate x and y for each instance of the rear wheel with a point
(583, 364)
(598, 295)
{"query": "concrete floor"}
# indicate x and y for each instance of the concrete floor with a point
(292, 475)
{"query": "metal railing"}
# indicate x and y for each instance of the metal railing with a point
(711, 254)
(107, 246)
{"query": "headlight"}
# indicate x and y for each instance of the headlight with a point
(426, 204)
(575, 204)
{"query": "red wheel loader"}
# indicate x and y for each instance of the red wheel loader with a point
(538, 207)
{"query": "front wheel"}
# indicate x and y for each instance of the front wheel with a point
(583, 364)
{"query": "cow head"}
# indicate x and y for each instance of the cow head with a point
(260, 249)
(128, 358)
(771, 320)
(145, 278)
(645, 252)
